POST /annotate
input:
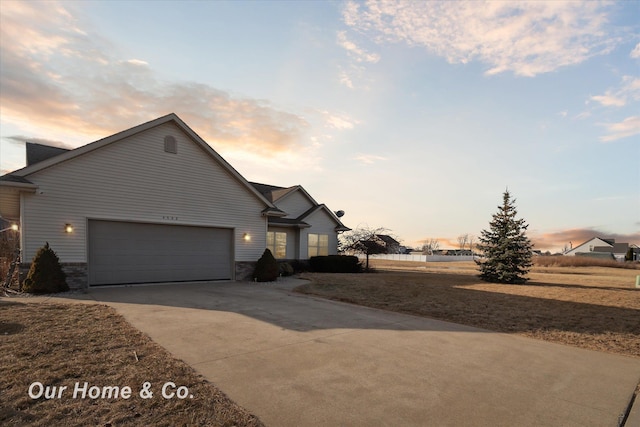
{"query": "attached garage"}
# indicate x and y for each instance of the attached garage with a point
(151, 204)
(132, 252)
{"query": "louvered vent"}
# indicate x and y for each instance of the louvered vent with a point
(170, 144)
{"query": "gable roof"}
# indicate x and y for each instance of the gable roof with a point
(275, 193)
(388, 240)
(17, 178)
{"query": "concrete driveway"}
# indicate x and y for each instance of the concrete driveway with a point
(300, 361)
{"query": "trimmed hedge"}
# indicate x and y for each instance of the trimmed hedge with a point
(335, 264)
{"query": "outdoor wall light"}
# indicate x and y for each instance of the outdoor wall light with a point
(14, 227)
(68, 228)
(246, 237)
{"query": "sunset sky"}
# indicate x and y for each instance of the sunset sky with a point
(410, 116)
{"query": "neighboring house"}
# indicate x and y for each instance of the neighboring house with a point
(589, 245)
(392, 245)
(600, 245)
(154, 203)
(308, 228)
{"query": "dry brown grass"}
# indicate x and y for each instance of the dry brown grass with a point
(582, 261)
(61, 344)
(596, 308)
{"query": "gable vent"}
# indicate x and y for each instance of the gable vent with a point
(170, 144)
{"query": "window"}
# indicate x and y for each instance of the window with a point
(318, 245)
(277, 244)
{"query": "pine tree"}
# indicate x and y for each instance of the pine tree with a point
(506, 248)
(45, 275)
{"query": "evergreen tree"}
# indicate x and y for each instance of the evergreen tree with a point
(45, 275)
(506, 248)
(266, 268)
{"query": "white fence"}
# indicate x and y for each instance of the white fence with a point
(420, 258)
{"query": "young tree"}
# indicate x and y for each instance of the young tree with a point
(364, 241)
(506, 248)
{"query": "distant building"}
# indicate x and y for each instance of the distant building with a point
(601, 245)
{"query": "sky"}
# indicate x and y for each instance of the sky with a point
(412, 116)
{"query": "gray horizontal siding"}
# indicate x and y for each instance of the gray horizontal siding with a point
(321, 223)
(294, 204)
(135, 180)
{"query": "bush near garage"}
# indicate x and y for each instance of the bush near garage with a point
(45, 274)
(335, 264)
(266, 268)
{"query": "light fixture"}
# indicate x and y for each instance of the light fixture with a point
(14, 227)
(68, 228)
(246, 237)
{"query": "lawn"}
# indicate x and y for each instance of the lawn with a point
(64, 344)
(596, 308)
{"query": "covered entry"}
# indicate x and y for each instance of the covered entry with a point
(131, 252)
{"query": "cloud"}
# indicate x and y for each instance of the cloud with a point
(635, 53)
(359, 54)
(369, 159)
(60, 79)
(21, 139)
(609, 100)
(526, 38)
(338, 121)
(626, 128)
(628, 91)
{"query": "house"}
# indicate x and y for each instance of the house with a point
(308, 228)
(155, 203)
(600, 245)
(392, 245)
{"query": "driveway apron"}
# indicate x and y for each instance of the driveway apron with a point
(295, 360)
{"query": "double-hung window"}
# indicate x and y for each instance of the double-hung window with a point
(318, 244)
(277, 244)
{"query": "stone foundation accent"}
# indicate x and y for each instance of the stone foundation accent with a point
(76, 272)
(77, 276)
(245, 269)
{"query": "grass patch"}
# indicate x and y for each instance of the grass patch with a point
(61, 344)
(595, 308)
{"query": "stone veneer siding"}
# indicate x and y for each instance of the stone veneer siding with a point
(78, 279)
(244, 270)
(76, 273)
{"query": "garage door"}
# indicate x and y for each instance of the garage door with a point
(126, 252)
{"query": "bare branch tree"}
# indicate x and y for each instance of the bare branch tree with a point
(462, 241)
(364, 240)
(430, 246)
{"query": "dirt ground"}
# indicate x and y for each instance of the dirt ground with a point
(59, 345)
(597, 308)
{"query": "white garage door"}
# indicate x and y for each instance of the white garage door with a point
(126, 252)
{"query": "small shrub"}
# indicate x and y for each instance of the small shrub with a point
(300, 266)
(266, 268)
(285, 269)
(335, 264)
(45, 274)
